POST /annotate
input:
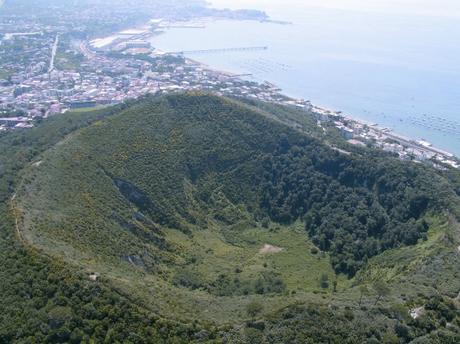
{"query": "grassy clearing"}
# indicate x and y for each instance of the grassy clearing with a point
(87, 109)
(298, 267)
(68, 60)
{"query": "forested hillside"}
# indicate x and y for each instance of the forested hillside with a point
(210, 212)
(44, 300)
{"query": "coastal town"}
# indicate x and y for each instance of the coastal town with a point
(361, 133)
(107, 71)
(55, 74)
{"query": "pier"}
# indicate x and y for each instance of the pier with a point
(183, 26)
(217, 51)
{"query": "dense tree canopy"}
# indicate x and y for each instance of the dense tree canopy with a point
(355, 208)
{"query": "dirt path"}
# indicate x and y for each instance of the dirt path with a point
(16, 221)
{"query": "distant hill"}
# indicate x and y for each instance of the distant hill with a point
(214, 211)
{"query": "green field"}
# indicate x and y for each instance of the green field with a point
(87, 109)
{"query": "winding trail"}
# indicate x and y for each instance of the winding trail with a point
(16, 212)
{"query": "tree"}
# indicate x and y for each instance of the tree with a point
(324, 281)
(363, 290)
(402, 331)
(382, 290)
(265, 222)
(253, 308)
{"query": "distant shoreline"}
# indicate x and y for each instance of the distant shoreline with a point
(350, 117)
(374, 125)
(394, 102)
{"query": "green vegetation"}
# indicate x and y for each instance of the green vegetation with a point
(196, 213)
(355, 208)
(68, 60)
(5, 73)
(45, 300)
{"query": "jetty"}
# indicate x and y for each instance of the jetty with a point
(217, 51)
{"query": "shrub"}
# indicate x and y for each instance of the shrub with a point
(254, 308)
(324, 281)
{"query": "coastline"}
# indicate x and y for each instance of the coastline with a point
(421, 148)
(425, 148)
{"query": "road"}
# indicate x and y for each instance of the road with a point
(85, 50)
(53, 53)
(417, 146)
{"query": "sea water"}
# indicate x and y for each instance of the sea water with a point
(394, 63)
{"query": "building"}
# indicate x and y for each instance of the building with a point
(346, 133)
(137, 44)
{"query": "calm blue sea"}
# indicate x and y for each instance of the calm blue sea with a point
(395, 63)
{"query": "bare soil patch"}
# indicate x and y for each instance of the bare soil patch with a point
(266, 249)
